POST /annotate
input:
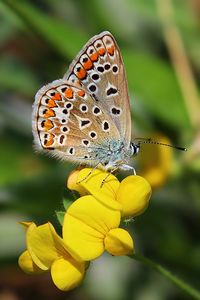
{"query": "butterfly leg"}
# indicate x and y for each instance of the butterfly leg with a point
(90, 173)
(111, 171)
(128, 168)
(123, 167)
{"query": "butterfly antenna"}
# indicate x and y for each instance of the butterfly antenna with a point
(150, 141)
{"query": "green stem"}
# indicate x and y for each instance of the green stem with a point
(178, 282)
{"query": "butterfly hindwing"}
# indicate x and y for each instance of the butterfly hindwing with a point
(100, 70)
(69, 124)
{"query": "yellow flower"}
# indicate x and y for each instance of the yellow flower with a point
(131, 196)
(46, 251)
(156, 161)
(91, 223)
(90, 227)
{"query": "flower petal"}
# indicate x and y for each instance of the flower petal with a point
(157, 169)
(119, 242)
(27, 265)
(67, 274)
(84, 242)
(92, 213)
(134, 194)
(105, 193)
(44, 245)
(85, 225)
(26, 224)
(73, 185)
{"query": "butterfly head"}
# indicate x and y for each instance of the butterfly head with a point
(115, 155)
(135, 148)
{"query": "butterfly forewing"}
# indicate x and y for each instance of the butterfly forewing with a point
(99, 69)
(69, 123)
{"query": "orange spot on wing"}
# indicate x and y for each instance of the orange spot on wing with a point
(48, 125)
(94, 56)
(49, 142)
(51, 103)
(57, 97)
(111, 50)
(88, 64)
(49, 113)
(81, 93)
(81, 74)
(69, 93)
(101, 51)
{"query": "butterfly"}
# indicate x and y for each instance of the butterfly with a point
(85, 117)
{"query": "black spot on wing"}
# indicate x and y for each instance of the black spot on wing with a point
(111, 91)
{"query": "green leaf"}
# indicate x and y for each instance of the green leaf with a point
(15, 76)
(61, 36)
(16, 164)
(60, 216)
(185, 287)
(154, 81)
(67, 203)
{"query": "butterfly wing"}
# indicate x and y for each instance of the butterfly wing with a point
(100, 70)
(69, 124)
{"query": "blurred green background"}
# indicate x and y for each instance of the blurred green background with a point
(160, 44)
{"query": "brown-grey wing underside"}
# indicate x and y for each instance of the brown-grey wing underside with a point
(100, 70)
(69, 123)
